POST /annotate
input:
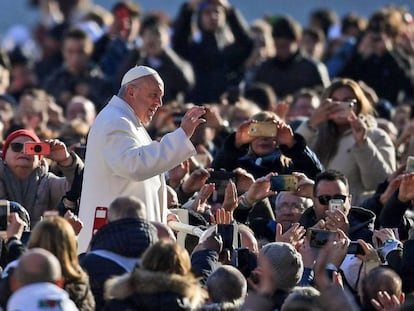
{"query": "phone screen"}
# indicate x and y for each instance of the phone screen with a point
(220, 179)
(318, 238)
(355, 248)
(226, 231)
(283, 183)
(4, 214)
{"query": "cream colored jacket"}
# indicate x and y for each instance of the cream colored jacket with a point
(365, 166)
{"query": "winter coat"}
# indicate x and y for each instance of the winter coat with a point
(48, 189)
(365, 166)
(217, 61)
(289, 76)
(151, 290)
(303, 159)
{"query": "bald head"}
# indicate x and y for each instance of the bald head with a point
(126, 207)
(37, 265)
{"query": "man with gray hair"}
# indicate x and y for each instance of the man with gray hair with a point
(37, 283)
(279, 270)
(289, 208)
(227, 289)
(121, 157)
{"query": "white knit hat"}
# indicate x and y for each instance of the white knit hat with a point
(137, 72)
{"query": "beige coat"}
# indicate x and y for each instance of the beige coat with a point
(365, 166)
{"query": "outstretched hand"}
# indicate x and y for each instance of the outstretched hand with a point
(192, 119)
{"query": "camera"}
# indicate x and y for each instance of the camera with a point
(4, 214)
(319, 237)
(355, 248)
(220, 179)
(34, 148)
(283, 183)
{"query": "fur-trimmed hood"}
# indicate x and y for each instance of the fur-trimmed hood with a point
(144, 283)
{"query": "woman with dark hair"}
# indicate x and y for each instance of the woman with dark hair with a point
(344, 135)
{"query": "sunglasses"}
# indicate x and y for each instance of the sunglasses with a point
(324, 199)
(16, 147)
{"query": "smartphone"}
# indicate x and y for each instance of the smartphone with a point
(34, 148)
(4, 214)
(25, 237)
(336, 204)
(283, 183)
(220, 179)
(226, 231)
(101, 218)
(241, 260)
(262, 129)
(318, 237)
(355, 248)
(409, 167)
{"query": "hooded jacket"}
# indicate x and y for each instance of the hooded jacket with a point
(152, 290)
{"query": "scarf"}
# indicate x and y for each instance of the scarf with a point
(23, 191)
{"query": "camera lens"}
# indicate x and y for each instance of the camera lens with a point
(37, 148)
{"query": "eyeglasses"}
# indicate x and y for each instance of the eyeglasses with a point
(16, 147)
(324, 199)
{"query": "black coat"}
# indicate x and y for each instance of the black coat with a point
(303, 159)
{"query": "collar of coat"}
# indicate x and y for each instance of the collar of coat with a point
(142, 281)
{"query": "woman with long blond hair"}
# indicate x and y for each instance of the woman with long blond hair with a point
(344, 135)
(56, 235)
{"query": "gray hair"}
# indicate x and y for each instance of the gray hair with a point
(126, 207)
(286, 263)
(227, 284)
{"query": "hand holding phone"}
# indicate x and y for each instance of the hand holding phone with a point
(355, 248)
(284, 183)
(335, 204)
(227, 233)
(262, 129)
(318, 237)
(220, 179)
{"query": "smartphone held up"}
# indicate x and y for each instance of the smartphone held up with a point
(262, 129)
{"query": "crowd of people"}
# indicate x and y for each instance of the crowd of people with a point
(229, 166)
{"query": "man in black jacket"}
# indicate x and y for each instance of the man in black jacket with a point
(356, 222)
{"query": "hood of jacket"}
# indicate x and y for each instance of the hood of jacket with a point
(143, 285)
(128, 237)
